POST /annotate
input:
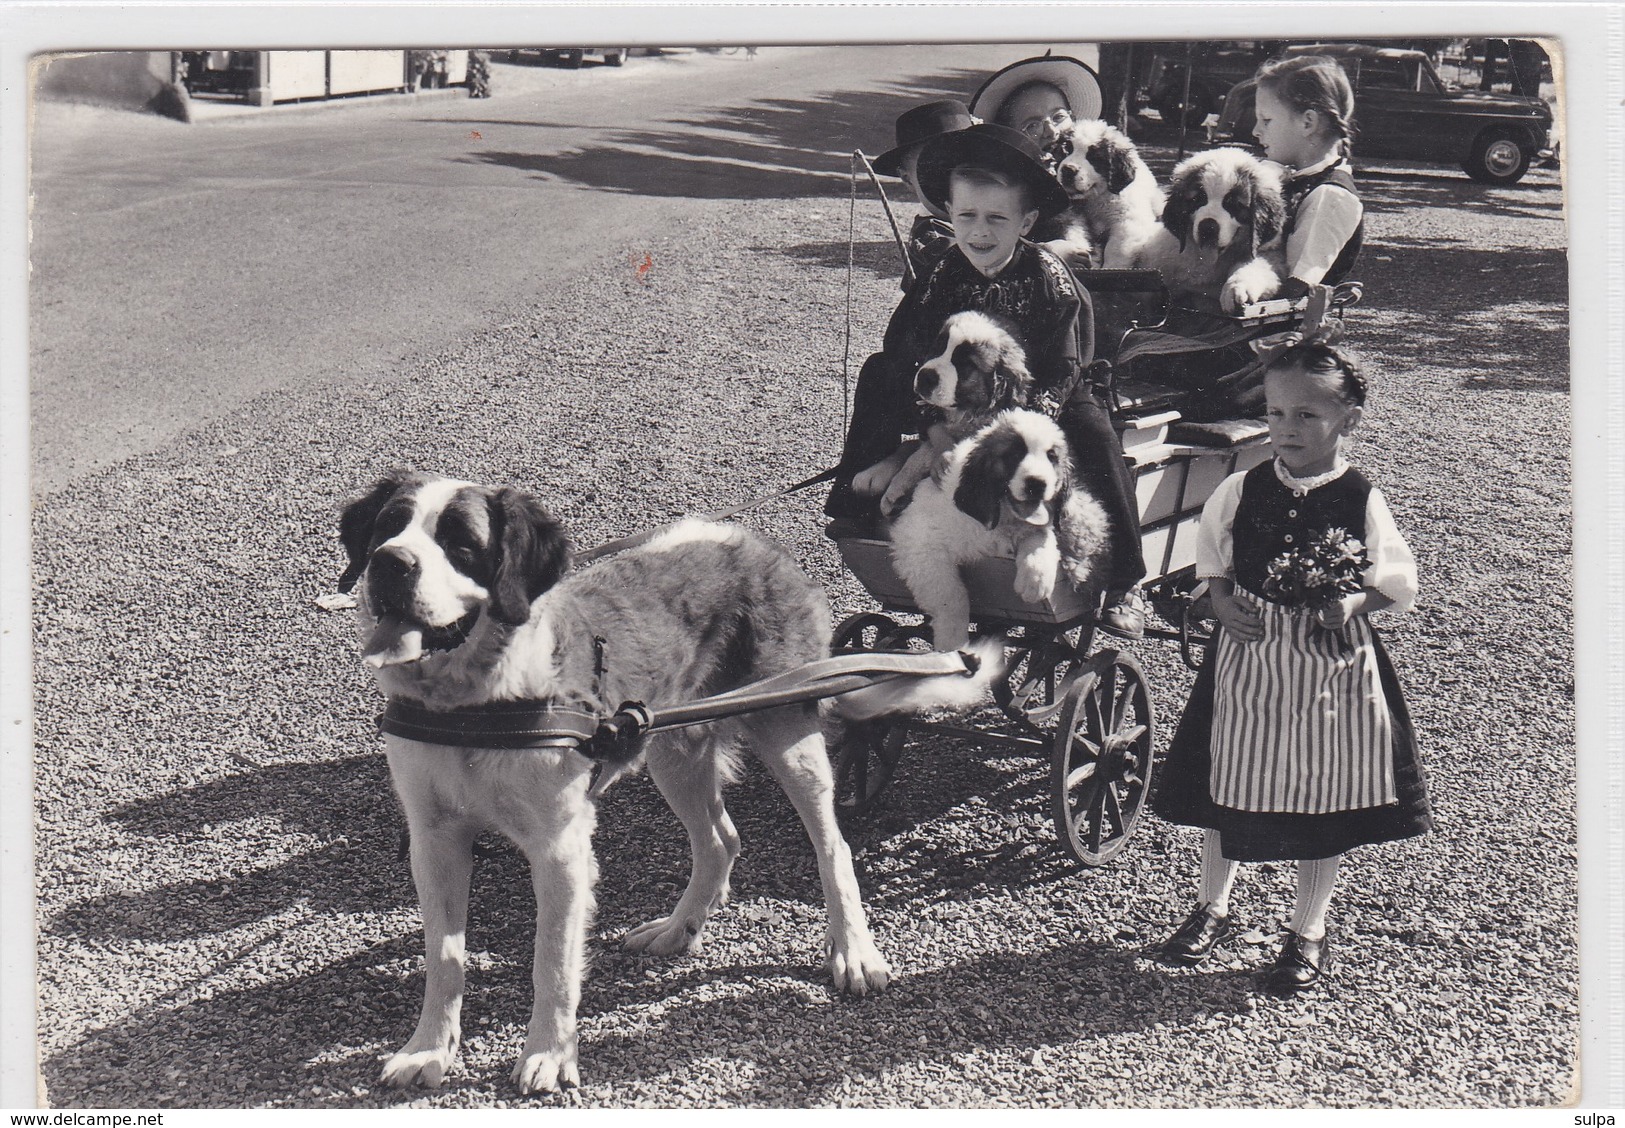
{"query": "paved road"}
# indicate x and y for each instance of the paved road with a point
(179, 270)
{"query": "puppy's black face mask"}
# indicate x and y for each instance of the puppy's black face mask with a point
(984, 482)
(1182, 204)
(1111, 161)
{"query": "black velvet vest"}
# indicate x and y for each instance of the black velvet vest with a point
(1271, 519)
(1295, 192)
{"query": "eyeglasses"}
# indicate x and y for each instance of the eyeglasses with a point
(1037, 128)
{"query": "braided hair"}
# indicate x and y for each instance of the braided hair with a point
(1314, 82)
(1318, 359)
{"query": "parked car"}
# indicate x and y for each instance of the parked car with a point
(571, 56)
(1404, 110)
(1214, 68)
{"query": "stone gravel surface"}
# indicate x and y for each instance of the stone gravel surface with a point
(223, 920)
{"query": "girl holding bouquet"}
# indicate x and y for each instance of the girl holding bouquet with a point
(1296, 743)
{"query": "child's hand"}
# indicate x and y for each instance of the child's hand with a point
(1240, 618)
(1335, 615)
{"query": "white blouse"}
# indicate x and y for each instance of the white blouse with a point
(1326, 220)
(1393, 567)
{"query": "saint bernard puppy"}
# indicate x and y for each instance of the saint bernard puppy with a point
(466, 601)
(977, 369)
(1221, 233)
(1005, 491)
(1114, 192)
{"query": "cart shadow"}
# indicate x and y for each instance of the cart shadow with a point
(881, 258)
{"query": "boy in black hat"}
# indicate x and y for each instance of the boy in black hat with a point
(931, 235)
(991, 182)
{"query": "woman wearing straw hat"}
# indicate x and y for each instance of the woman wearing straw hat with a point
(1031, 94)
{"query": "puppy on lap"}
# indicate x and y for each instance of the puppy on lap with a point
(978, 370)
(1005, 491)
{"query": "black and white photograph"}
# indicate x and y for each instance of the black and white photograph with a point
(1027, 563)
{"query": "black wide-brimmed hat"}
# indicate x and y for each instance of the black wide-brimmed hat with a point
(919, 125)
(996, 147)
(1077, 83)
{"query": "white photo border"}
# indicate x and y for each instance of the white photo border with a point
(1592, 81)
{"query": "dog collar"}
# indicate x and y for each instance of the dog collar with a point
(505, 724)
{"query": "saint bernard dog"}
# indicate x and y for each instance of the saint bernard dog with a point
(1114, 193)
(466, 600)
(977, 369)
(1221, 233)
(1005, 491)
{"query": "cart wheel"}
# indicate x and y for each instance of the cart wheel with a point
(864, 763)
(1040, 678)
(1101, 768)
(862, 631)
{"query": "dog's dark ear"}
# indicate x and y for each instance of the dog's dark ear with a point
(357, 521)
(1119, 168)
(532, 554)
(1269, 214)
(984, 479)
(1177, 212)
(1012, 382)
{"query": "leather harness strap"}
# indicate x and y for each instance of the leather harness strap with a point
(542, 724)
(516, 724)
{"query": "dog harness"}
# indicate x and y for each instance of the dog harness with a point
(617, 739)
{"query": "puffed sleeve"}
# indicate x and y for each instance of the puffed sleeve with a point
(1393, 568)
(1215, 552)
(1325, 222)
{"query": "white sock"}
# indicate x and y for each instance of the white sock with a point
(1218, 875)
(1315, 881)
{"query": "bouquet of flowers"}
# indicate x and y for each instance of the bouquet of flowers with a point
(1319, 572)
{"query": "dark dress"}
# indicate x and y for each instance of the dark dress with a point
(1181, 793)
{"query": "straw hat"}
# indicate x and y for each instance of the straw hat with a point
(1076, 82)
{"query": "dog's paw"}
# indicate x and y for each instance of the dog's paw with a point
(417, 1067)
(1249, 284)
(546, 1070)
(669, 936)
(1035, 576)
(858, 968)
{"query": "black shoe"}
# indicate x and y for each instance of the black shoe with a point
(1300, 965)
(1193, 941)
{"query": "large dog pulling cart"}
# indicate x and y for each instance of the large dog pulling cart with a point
(1089, 711)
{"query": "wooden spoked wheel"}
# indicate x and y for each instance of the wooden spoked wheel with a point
(867, 755)
(1040, 678)
(862, 631)
(1100, 772)
(865, 761)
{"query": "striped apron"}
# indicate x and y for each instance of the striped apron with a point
(1300, 723)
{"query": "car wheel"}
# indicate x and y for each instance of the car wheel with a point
(1498, 157)
(571, 59)
(616, 58)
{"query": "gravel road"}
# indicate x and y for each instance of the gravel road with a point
(223, 920)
